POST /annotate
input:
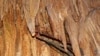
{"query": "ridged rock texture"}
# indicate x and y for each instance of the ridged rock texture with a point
(49, 27)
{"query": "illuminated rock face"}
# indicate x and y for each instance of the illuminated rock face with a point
(49, 28)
